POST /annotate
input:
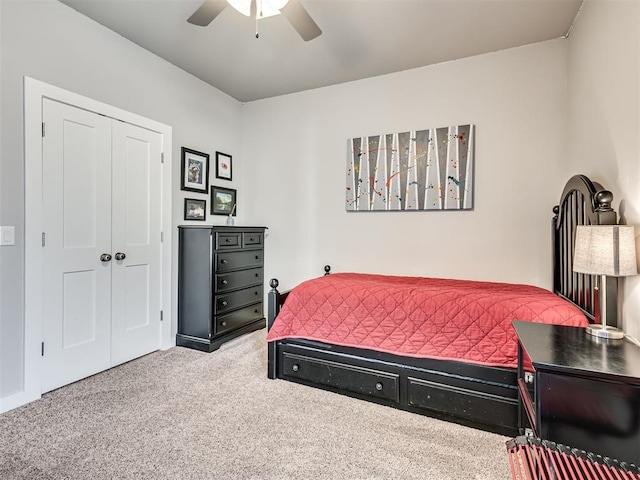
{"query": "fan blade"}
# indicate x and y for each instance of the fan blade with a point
(301, 20)
(253, 9)
(207, 12)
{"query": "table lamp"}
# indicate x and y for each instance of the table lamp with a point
(609, 251)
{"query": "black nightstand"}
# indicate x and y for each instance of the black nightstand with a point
(578, 390)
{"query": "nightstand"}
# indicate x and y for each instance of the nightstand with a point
(578, 390)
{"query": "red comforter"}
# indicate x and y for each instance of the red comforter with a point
(419, 317)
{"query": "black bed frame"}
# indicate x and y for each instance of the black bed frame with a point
(474, 395)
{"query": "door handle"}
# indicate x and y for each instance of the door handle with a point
(120, 256)
(105, 257)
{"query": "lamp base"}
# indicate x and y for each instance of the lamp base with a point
(604, 331)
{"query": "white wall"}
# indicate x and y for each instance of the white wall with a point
(604, 114)
(295, 151)
(48, 41)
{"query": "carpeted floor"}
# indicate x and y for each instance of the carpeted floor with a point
(183, 414)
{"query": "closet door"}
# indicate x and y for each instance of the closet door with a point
(76, 197)
(136, 242)
(101, 240)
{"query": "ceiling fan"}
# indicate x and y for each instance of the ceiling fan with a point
(291, 9)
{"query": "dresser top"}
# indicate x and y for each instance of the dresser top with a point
(223, 227)
(573, 350)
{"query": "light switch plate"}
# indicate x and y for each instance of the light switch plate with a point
(7, 236)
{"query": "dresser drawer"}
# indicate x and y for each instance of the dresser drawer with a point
(226, 261)
(364, 381)
(231, 301)
(228, 240)
(250, 239)
(236, 319)
(235, 280)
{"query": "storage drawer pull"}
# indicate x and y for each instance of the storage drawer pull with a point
(228, 240)
(257, 257)
(251, 239)
(224, 282)
(223, 323)
(223, 261)
(295, 368)
(379, 386)
(224, 303)
(256, 293)
(257, 274)
(257, 310)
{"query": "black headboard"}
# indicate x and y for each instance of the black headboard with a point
(583, 202)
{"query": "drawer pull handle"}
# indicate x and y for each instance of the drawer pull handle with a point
(295, 368)
(257, 311)
(223, 261)
(224, 303)
(378, 386)
(224, 324)
(251, 239)
(228, 240)
(256, 293)
(257, 257)
(224, 282)
(257, 274)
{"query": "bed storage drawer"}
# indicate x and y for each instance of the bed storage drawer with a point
(461, 402)
(364, 381)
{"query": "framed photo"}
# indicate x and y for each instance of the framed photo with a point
(223, 201)
(223, 166)
(195, 171)
(195, 209)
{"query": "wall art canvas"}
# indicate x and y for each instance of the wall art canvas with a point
(418, 170)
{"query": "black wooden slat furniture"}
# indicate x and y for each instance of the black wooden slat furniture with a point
(532, 458)
(220, 284)
(475, 395)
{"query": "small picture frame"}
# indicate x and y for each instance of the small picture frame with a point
(223, 166)
(223, 201)
(195, 209)
(195, 171)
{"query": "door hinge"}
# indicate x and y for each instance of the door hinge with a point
(44, 240)
(162, 157)
(42, 351)
(161, 315)
(43, 129)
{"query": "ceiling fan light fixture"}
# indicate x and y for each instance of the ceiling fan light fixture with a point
(266, 8)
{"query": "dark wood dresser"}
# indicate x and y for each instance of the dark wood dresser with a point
(220, 284)
(579, 390)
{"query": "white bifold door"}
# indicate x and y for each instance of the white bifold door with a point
(101, 243)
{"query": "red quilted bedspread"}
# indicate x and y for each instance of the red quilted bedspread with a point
(419, 317)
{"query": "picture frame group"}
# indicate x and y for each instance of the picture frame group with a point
(195, 178)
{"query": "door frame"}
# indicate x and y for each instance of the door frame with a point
(34, 92)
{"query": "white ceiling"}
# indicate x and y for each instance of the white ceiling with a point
(361, 38)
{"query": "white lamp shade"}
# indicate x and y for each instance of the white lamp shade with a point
(265, 8)
(605, 250)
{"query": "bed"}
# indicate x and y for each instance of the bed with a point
(397, 341)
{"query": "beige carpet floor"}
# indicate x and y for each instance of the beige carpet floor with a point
(184, 414)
